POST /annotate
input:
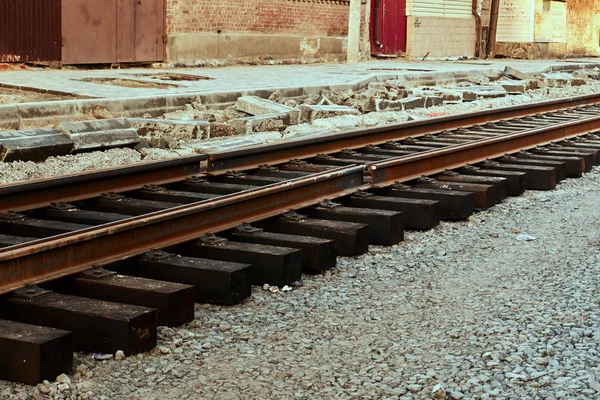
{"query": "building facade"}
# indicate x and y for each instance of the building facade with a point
(199, 31)
(214, 32)
(531, 29)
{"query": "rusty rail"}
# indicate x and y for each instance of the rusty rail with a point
(252, 157)
(40, 193)
(58, 256)
(406, 168)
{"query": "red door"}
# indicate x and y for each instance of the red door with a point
(388, 27)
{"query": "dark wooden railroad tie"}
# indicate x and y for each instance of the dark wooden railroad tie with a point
(98, 326)
(538, 178)
(215, 281)
(485, 196)
(417, 213)
(454, 204)
(559, 166)
(274, 265)
(516, 182)
(386, 227)
(351, 238)
(318, 254)
(32, 353)
(174, 302)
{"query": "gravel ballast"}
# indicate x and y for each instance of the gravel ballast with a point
(503, 305)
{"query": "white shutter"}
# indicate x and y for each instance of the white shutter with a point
(458, 8)
(515, 21)
(442, 8)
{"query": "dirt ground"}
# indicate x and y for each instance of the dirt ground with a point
(10, 96)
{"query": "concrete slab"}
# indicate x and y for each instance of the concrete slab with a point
(310, 113)
(518, 87)
(254, 105)
(100, 134)
(33, 144)
(259, 123)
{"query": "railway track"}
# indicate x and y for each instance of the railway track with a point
(308, 201)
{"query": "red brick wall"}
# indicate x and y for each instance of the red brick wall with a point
(299, 17)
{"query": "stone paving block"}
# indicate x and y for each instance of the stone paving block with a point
(557, 79)
(408, 103)
(255, 105)
(259, 123)
(514, 86)
(515, 73)
(33, 144)
(472, 93)
(310, 113)
(433, 101)
(100, 134)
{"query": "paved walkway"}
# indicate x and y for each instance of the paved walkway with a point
(244, 78)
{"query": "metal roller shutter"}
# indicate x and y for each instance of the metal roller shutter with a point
(515, 21)
(443, 8)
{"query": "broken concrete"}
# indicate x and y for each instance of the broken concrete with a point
(218, 129)
(259, 123)
(100, 134)
(514, 87)
(191, 129)
(516, 74)
(472, 93)
(310, 113)
(557, 79)
(255, 105)
(33, 144)
(408, 103)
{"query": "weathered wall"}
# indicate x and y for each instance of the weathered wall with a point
(440, 37)
(579, 36)
(582, 27)
(304, 17)
(254, 30)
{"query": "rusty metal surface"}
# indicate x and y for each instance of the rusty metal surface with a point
(252, 157)
(88, 31)
(148, 30)
(62, 255)
(111, 31)
(406, 168)
(30, 30)
(43, 192)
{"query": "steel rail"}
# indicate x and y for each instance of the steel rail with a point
(406, 168)
(42, 192)
(254, 156)
(69, 188)
(62, 255)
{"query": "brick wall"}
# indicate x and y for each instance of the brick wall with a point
(298, 17)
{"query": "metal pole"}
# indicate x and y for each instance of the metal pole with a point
(491, 44)
(353, 51)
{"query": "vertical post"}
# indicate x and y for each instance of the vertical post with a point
(354, 32)
(491, 44)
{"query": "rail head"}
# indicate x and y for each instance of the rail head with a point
(22, 196)
(406, 168)
(59, 256)
(324, 142)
